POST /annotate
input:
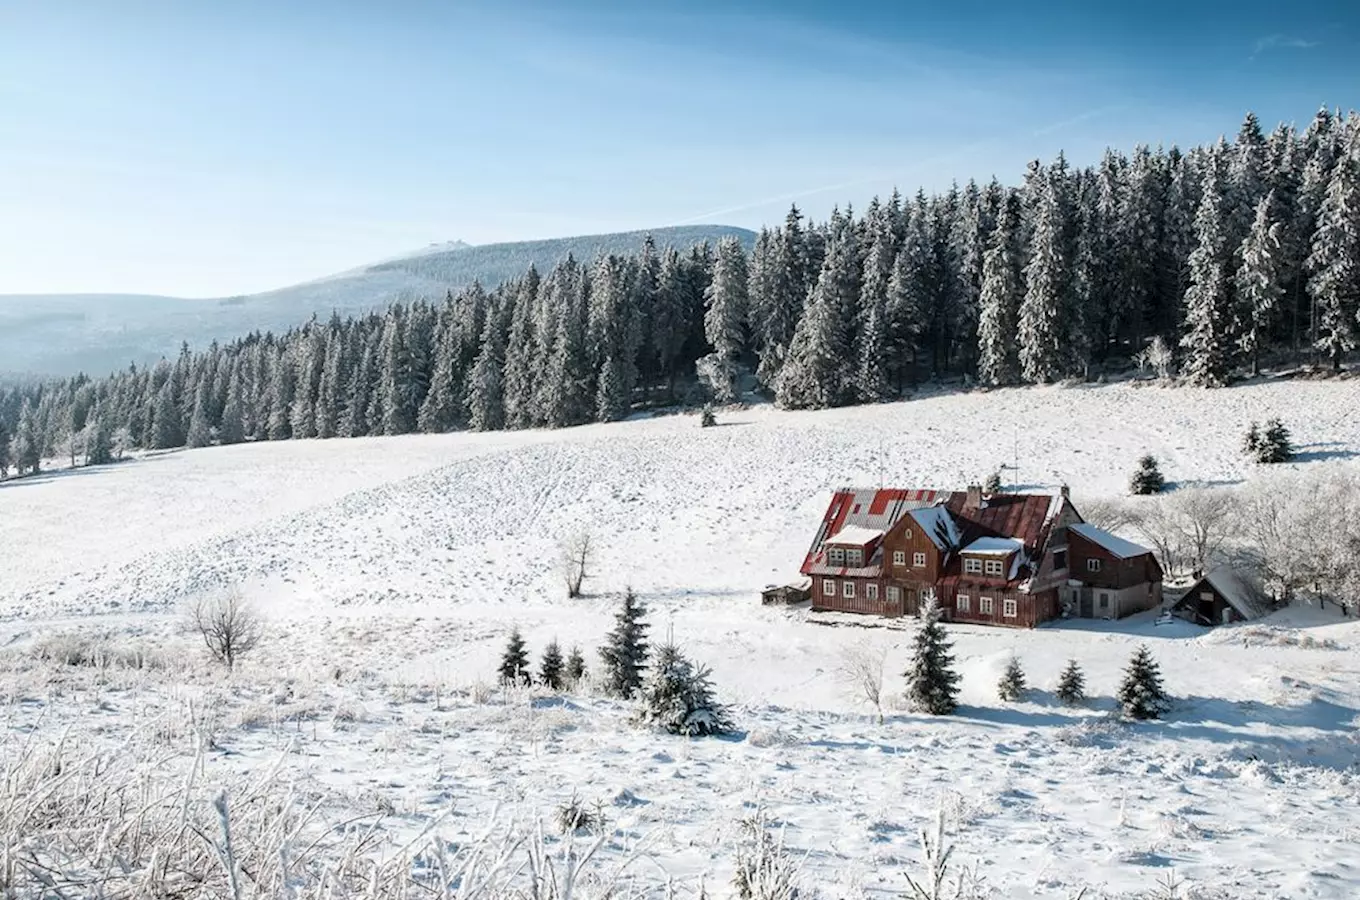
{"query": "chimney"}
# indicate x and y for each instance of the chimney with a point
(1065, 492)
(974, 497)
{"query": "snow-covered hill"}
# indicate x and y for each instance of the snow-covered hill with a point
(60, 334)
(391, 571)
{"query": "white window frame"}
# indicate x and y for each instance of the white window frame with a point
(994, 567)
(871, 592)
(986, 606)
(908, 534)
(899, 557)
(972, 566)
(854, 558)
(1008, 608)
(848, 589)
(894, 594)
(962, 603)
(918, 560)
(835, 556)
(828, 587)
(1092, 564)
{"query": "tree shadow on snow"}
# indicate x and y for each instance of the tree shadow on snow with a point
(1324, 451)
(49, 476)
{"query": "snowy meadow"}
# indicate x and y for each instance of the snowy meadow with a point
(364, 748)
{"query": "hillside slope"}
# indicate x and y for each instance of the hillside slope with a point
(60, 334)
(391, 570)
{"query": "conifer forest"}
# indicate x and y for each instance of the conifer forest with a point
(1219, 259)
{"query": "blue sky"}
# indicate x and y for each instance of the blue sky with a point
(208, 149)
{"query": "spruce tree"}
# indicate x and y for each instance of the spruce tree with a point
(1071, 685)
(233, 429)
(331, 389)
(1147, 478)
(678, 696)
(1259, 283)
(99, 449)
(817, 373)
(1040, 327)
(1334, 263)
(550, 669)
(4, 450)
(27, 442)
(514, 667)
(576, 666)
(1275, 445)
(726, 301)
(439, 412)
(1251, 442)
(1012, 685)
(1208, 311)
(932, 683)
(1141, 695)
(200, 431)
(486, 398)
(1002, 290)
(993, 484)
(625, 651)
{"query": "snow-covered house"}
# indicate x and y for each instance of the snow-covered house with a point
(1110, 577)
(1000, 559)
(1221, 597)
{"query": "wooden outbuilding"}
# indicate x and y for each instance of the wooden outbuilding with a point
(1222, 597)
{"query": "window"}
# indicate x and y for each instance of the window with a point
(1206, 596)
(899, 557)
(848, 589)
(908, 534)
(1008, 608)
(836, 555)
(829, 587)
(871, 592)
(1060, 559)
(854, 557)
(918, 560)
(985, 606)
(962, 603)
(972, 566)
(894, 594)
(1093, 565)
(993, 567)
(1104, 600)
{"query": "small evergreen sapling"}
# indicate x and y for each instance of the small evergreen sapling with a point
(1276, 446)
(515, 661)
(993, 484)
(550, 669)
(625, 651)
(932, 683)
(1251, 442)
(576, 666)
(1012, 685)
(1071, 685)
(1147, 479)
(707, 418)
(1140, 694)
(678, 696)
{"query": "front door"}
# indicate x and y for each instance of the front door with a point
(1087, 611)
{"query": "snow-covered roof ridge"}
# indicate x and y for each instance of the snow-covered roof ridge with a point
(938, 525)
(1120, 547)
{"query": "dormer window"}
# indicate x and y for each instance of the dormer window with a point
(854, 557)
(972, 566)
(1093, 565)
(836, 556)
(994, 567)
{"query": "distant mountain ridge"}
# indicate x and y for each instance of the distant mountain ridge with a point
(61, 334)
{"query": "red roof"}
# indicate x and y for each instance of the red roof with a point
(877, 510)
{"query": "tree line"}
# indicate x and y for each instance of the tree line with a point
(1218, 258)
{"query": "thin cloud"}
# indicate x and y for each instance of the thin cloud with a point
(1281, 42)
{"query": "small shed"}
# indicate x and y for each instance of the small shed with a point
(1222, 597)
(797, 592)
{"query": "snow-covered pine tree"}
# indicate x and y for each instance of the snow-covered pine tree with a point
(1002, 290)
(993, 484)
(1260, 285)
(1334, 263)
(906, 323)
(308, 357)
(278, 397)
(1147, 478)
(611, 397)
(1012, 685)
(200, 431)
(625, 650)
(233, 429)
(520, 347)
(707, 418)
(514, 668)
(568, 396)
(4, 450)
(334, 378)
(788, 285)
(1141, 695)
(678, 696)
(576, 667)
(1071, 685)
(359, 403)
(872, 382)
(486, 398)
(932, 683)
(1275, 445)
(550, 670)
(816, 374)
(395, 385)
(165, 424)
(725, 302)
(99, 445)
(1208, 339)
(1041, 328)
(440, 411)
(1246, 184)
(1251, 441)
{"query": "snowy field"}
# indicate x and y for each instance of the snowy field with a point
(391, 571)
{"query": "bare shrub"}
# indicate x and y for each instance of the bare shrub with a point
(861, 671)
(574, 815)
(577, 555)
(1111, 514)
(228, 624)
(765, 869)
(1189, 528)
